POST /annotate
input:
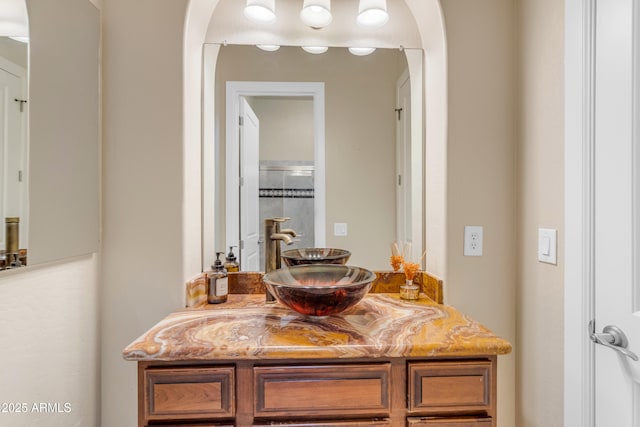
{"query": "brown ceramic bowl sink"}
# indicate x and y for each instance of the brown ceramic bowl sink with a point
(319, 289)
(304, 256)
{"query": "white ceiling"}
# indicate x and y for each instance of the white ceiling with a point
(13, 18)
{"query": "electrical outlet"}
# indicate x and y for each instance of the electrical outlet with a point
(473, 240)
(340, 229)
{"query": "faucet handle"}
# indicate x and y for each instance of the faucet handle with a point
(289, 231)
(275, 222)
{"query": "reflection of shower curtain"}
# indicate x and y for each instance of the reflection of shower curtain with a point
(287, 190)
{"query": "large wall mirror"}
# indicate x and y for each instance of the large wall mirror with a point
(14, 64)
(50, 117)
(372, 157)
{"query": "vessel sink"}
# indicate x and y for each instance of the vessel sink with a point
(303, 256)
(319, 289)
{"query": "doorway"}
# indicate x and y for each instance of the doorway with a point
(297, 170)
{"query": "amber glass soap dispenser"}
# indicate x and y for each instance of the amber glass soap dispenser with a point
(231, 262)
(218, 282)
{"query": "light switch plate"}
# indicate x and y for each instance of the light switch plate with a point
(548, 245)
(340, 229)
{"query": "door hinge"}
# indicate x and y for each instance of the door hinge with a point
(399, 180)
(241, 121)
(241, 181)
(241, 244)
(399, 111)
(19, 176)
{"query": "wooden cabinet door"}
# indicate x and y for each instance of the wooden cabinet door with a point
(364, 423)
(459, 386)
(189, 393)
(195, 425)
(300, 392)
(450, 422)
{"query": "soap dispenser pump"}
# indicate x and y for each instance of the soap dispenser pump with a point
(231, 263)
(218, 282)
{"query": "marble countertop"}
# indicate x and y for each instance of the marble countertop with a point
(381, 325)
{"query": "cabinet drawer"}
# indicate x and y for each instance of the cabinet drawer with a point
(365, 423)
(444, 387)
(319, 391)
(450, 422)
(195, 425)
(189, 393)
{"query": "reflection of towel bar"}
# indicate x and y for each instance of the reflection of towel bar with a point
(286, 193)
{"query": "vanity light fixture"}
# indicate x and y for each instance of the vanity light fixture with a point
(372, 13)
(316, 13)
(13, 18)
(316, 50)
(261, 11)
(361, 51)
(268, 47)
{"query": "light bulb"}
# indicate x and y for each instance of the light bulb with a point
(268, 47)
(261, 11)
(372, 13)
(316, 13)
(362, 51)
(316, 50)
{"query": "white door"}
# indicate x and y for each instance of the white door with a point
(617, 212)
(249, 186)
(602, 213)
(403, 159)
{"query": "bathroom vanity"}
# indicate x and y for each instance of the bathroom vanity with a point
(384, 362)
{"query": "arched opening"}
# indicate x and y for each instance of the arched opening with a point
(429, 20)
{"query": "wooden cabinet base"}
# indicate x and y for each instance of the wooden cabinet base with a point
(319, 393)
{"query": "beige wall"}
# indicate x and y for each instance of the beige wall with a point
(286, 128)
(540, 204)
(481, 172)
(142, 275)
(360, 135)
(49, 329)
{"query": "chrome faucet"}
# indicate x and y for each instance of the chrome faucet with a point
(273, 236)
